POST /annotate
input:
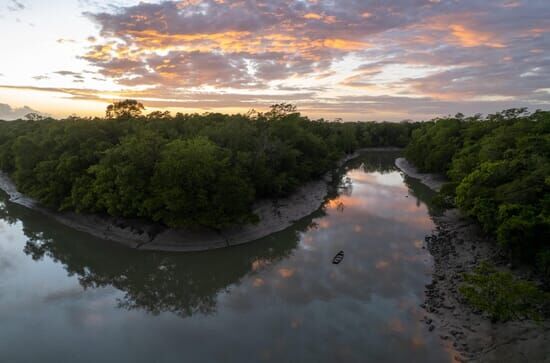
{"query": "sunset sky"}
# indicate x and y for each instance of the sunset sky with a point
(356, 60)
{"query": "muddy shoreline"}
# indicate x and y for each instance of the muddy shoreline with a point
(275, 216)
(457, 246)
(433, 181)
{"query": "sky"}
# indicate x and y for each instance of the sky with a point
(350, 59)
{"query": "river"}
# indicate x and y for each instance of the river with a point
(69, 297)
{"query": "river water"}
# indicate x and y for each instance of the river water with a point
(69, 297)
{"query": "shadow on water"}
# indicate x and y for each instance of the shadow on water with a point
(423, 195)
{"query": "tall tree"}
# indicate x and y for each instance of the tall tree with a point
(124, 109)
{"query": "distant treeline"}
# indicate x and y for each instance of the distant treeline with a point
(182, 170)
(499, 171)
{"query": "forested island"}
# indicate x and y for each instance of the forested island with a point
(183, 170)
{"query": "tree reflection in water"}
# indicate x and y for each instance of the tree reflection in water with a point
(184, 284)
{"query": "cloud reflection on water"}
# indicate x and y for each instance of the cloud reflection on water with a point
(283, 293)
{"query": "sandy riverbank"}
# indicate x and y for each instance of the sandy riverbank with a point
(274, 215)
(457, 246)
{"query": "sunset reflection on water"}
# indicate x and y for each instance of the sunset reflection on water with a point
(280, 299)
(375, 293)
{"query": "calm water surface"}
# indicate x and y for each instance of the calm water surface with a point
(68, 297)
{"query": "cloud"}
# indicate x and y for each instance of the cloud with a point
(8, 113)
(76, 76)
(15, 5)
(166, 97)
(66, 73)
(179, 69)
(65, 40)
(255, 41)
(358, 59)
(353, 108)
(445, 50)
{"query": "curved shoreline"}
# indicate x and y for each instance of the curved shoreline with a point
(457, 245)
(275, 216)
(433, 181)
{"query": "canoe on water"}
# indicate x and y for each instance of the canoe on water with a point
(338, 258)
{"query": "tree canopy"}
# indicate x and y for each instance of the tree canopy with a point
(182, 170)
(124, 109)
(499, 170)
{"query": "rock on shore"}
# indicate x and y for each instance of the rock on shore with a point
(457, 246)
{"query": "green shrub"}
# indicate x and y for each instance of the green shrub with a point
(445, 199)
(501, 295)
(498, 167)
(543, 264)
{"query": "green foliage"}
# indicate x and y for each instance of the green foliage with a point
(33, 116)
(121, 178)
(182, 170)
(501, 295)
(543, 264)
(499, 169)
(445, 199)
(125, 109)
(433, 146)
(518, 224)
(195, 184)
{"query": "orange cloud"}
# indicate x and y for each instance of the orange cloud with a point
(345, 44)
(470, 38)
(313, 16)
(330, 19)
(421, 61)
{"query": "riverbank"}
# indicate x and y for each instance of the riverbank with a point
(457, 246)
(433, 181)
(274, 216)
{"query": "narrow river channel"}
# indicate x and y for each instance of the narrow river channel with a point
(69, 297)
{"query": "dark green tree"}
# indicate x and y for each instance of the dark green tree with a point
(124, 109)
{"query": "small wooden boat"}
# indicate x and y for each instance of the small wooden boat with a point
(338, 258)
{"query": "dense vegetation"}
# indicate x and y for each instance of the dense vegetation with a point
(182, 170)
(499, 172)
(502, 295)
